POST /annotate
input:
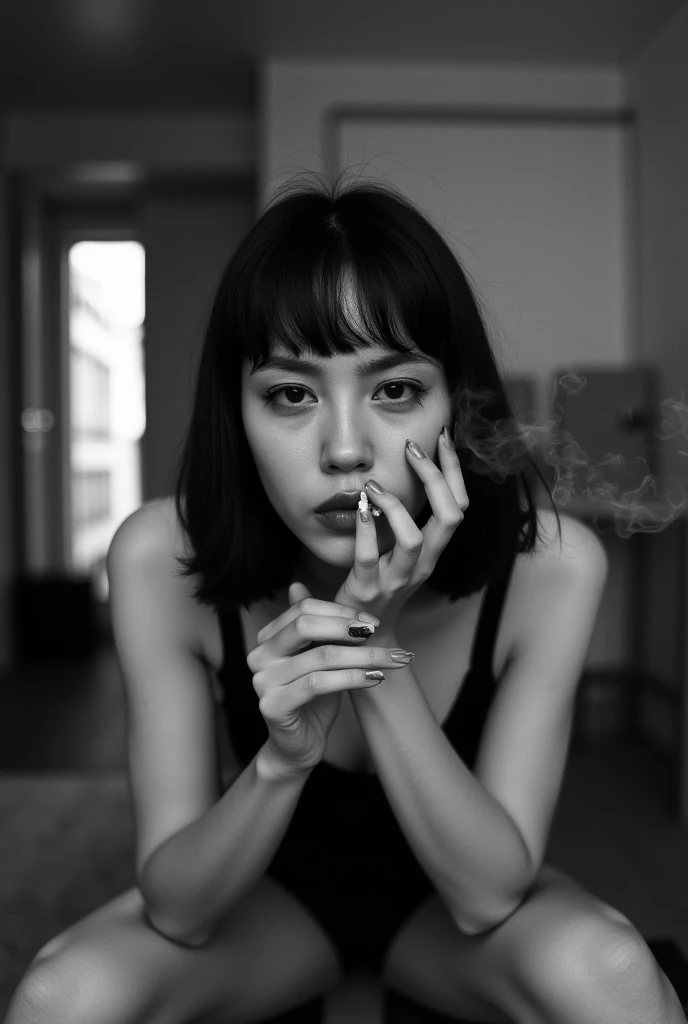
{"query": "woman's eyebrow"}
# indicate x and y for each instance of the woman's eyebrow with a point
(294, 365)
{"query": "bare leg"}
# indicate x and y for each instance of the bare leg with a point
(563, 957)
(113, 968)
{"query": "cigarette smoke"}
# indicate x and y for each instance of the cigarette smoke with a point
(500, 448)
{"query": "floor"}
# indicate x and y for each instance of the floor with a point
(612, 831)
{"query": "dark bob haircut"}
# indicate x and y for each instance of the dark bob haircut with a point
(284, 282)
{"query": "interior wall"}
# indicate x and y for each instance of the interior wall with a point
(537, 214)
(658, 89)
(6, 473)
(188, 243)
(294, 98)
(89, 143)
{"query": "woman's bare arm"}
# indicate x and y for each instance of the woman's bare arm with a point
(197, 851)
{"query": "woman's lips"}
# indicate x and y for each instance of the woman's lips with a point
(341, 511)
(343, 518)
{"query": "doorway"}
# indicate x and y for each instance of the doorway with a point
(82, 383)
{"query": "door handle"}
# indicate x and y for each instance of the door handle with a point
(37, 421)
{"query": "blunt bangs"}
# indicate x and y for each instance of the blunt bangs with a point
(292, 294)
(311, 317)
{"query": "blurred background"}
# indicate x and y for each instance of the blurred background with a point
(138, 143)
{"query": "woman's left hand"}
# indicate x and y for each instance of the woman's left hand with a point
(381, 585)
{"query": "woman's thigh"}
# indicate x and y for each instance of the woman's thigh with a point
(112, 967)
(560, 933)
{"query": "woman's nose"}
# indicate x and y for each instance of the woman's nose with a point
(346, 448)
(346, 457)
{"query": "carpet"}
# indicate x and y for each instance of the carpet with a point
(66, 846)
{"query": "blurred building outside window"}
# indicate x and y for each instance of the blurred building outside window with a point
(107, 396)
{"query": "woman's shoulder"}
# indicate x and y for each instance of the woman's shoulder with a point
(152, 532)
(149, 543)
(566, 544)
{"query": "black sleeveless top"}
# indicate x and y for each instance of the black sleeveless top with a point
(463, 725)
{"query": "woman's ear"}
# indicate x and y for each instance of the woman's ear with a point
(297, 592)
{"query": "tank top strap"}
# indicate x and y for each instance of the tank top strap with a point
(490, 614)
(246, 727)
(234, 672)
(232, 639)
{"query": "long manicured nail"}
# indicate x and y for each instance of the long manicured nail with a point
(367, 617)
(375, 487)
(361, 630)
(398, 654)
(446, 439)
(416, 449)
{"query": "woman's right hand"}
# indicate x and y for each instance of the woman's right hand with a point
(300, 672)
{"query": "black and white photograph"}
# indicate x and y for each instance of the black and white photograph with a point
(344, 517)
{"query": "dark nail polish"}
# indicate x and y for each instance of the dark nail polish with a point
(446, 438)
(361, 630)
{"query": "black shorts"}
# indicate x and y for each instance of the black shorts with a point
(346, 859)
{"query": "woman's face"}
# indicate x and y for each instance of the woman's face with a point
(332, 424)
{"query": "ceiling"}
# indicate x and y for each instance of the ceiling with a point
(124, 54)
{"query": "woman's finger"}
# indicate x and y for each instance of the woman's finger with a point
(409, 539)
(329, 658)
(366, 552)
(297, 592)
(448, 498)
(305, 630)
(451, 468)
(312, 606)
(444, 484)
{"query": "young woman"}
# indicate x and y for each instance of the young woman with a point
(383, 811)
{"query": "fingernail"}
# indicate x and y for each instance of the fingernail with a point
(375, 487)
(398, 654)
(367, 617)
(446, 439)
(364, 631)
(376, 674)
(415, 449)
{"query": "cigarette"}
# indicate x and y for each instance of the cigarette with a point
(365, 506)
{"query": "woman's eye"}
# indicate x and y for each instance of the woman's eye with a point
(293, 394)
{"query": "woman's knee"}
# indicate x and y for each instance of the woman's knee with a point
(74, 985)
(590, 949)
(50, 948)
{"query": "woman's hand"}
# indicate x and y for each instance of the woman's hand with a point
(305, 658)
(383, 585)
